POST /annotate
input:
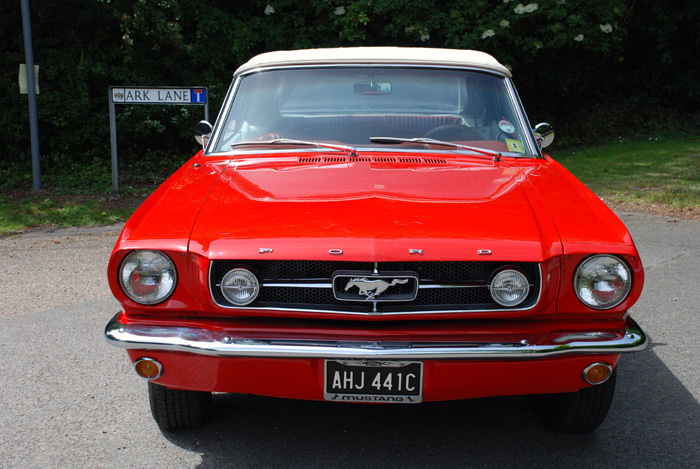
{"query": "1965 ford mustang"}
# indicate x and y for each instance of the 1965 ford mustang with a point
(375, 225)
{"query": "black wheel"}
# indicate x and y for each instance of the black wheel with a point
(174, 409)
(575, 412)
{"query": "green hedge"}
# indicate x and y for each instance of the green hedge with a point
(593, 68)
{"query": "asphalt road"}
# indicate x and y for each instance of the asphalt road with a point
(67, 399)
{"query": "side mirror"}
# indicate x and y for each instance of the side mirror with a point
(544, 134)
(202, 132)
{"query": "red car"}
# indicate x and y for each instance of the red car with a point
(376, 225)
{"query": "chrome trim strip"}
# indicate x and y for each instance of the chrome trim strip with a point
(221, 118)
(298, 285)
(221, 344)
(522, 117)
(429, 286)
(363, 149)
(350, 64)
(583, 336)
(393, 313)
(330, 285)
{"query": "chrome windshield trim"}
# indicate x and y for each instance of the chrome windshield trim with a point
(221, 118)
(363, 149)
(350, 64)
(524, 121)
(223, 344)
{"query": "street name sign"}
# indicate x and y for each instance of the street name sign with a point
(183, 95)
(153, 95)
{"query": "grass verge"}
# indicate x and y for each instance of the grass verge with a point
(22, 211)
(658, 176)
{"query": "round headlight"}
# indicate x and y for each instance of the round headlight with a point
(240, 287)
(147, 277)
(509, 287)
(602, 281)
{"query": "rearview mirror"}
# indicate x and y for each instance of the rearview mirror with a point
(372, 88)
(202, 132)
(544, 133)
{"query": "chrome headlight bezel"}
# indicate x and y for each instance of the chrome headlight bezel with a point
(615, 267)
(502, 275)
(240, 286)
(161, 276)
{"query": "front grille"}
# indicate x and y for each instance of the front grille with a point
(308, 285)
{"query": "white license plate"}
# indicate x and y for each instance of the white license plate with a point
(385, 381)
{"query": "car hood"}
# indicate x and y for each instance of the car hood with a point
(372, 210)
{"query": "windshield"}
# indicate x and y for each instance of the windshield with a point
(353, 105)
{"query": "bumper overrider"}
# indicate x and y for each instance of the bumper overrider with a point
(219, 343)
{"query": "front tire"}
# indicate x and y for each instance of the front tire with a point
(174, 409)
(575, 412)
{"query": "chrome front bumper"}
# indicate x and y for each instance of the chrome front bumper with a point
(223, 344)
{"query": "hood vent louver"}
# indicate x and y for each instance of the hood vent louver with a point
(412, 160)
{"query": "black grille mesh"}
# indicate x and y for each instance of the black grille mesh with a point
(476, 274)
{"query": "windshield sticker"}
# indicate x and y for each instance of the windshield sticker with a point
(506, 126)
(515, 145)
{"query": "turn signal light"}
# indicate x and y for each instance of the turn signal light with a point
(148, 368)
(597, 373)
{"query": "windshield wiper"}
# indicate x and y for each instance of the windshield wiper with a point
(430, 141)
(292, 142)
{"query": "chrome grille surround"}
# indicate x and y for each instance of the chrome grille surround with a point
(444, 287)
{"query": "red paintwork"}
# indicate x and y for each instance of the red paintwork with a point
(521, 209)
(303, 378)
(375, 212)
(164, 221)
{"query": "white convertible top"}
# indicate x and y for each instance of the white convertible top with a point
(375, 56)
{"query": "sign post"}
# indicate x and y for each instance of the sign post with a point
(31, 94)
(190, 95)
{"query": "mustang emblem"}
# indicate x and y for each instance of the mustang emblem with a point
(372, 288)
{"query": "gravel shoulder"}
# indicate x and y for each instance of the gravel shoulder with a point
(46, 269)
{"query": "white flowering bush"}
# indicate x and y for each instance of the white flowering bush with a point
(515, 31)
(522, 9)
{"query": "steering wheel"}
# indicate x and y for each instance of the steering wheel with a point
(269, 136)
(453, 132)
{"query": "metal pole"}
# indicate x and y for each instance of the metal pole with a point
(113, 142)
(31, 93)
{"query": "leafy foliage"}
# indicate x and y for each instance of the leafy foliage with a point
(592, 66)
